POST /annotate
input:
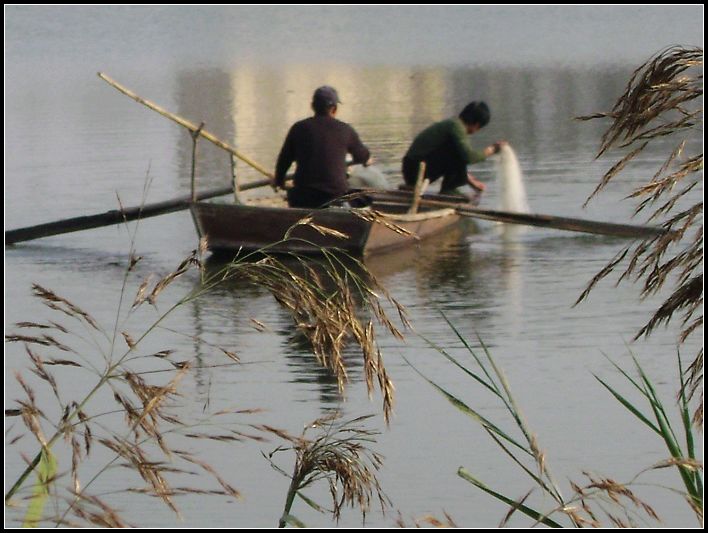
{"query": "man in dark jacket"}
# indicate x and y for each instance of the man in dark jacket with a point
(319, 146)
(446, 152)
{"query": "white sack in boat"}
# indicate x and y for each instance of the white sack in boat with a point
(361, 177)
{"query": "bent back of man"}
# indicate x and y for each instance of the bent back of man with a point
(319, 145)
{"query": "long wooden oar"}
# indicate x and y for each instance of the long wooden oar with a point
(529, 219)
(194, 128)
(563, 223)
(116, 216)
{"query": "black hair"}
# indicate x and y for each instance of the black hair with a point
(321, 108)
(475, 113)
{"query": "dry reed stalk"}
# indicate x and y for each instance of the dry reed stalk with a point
(427, 520)
(341, 456)
(54, 301)
(93, 510)
(325, 306)
(606, 499)
(371, 215)
(149, 409)
(663, 99)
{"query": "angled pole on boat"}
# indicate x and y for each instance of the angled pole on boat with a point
(193, 128)
(193, 177)
(420, 185)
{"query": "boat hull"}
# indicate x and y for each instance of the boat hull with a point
(387, 225)
(279, 230)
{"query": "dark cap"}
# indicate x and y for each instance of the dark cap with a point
(326, 96)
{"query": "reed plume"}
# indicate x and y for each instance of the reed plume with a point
(340, 455)
(327, 305)
(663, 102)
(149, 408)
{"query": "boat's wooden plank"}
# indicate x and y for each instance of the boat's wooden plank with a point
(420, 227)
(420, 216)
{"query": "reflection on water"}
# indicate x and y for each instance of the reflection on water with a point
(512, 271)
(532, 110)
(440, 269)
(238, 296)
(418, 258)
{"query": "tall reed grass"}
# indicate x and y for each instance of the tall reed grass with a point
(332, 306)
(134, 433)
(662, 103)
(598, 501)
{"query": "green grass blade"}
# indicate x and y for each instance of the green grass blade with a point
(673, 447)
(507, 397)
(685, 413)
(538, 480)
(629, 406)
(675, 451)
(659, 411)
(664, 424)
(472, 352)
(628, 377)
(46, 470)
(294, 521)
(667, 433)
(490, 387)
(311, 503)
(464, 408)
(697, 494)
(528, 511)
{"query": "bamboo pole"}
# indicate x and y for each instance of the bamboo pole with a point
(192, 181)
(235, 180)
(187, 124)
(420, 184)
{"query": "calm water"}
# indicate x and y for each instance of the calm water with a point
(73, 144)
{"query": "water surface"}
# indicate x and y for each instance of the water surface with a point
(73, 145)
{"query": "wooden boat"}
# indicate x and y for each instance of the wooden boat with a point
(383, 224)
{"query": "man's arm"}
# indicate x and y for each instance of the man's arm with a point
(285, 158)
(462, 145)
(360, 153)
(488, 152)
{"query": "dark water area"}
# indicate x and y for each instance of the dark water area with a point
(74, 145)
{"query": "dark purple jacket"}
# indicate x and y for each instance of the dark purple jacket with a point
(319, 145)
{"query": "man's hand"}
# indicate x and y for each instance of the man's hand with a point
(499, 145)
(475, 183)
(495, 148)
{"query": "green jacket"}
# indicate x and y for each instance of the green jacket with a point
(435, 136)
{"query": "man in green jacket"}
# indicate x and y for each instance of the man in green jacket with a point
(446, 152)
